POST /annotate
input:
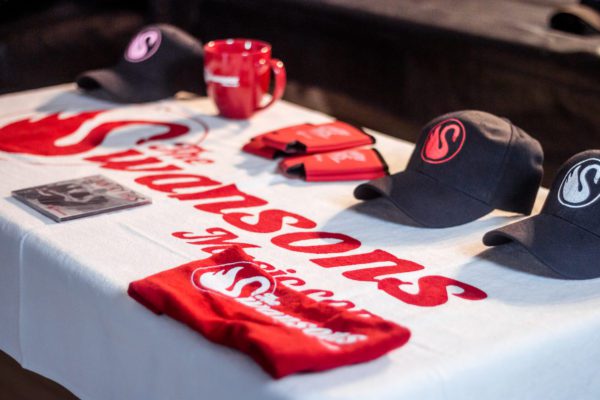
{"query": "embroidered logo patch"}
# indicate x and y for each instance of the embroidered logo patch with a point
(444, 141)
(143, 45)
(580, 187)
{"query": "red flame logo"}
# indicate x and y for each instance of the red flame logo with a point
(239, 279)
(40, 137)
(444, 142)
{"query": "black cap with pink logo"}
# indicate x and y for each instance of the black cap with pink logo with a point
(565, 236)
(159, 61)
(465, 164)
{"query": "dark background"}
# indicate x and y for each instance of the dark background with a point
(388, 65)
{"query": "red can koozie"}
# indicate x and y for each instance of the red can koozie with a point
(258, 147)
(344, 165)
(234, 301)
(317, 138)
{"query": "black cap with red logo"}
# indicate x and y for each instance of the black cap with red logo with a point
(465, 164)
(159, 61)
(565, 236)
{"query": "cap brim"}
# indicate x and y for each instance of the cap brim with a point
(424, 200)
(119, 85)
(576, 18)
(565, 248)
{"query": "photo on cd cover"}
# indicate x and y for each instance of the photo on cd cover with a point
(78, 198)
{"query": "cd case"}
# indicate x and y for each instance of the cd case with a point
(78, 198)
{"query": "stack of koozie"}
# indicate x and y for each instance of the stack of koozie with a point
(332, 151)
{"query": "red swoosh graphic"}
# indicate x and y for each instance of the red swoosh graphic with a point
(39, 137)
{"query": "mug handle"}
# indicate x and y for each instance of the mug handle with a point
(280, 81)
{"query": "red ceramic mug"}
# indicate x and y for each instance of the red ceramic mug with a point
(237, 74)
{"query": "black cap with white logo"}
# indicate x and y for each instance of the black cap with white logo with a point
(565, 236)
(465, 164)
(159, 61)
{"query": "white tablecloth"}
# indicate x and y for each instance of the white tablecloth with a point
(65, 314)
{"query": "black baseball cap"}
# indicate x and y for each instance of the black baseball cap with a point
(565, 236)
(159, 61)
(581, 19)
(465, 164)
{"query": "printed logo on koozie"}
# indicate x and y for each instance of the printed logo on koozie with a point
(323, 132)
(249, 285)
(143, 45)
(580, 186)
(340, 156)
(444, 141)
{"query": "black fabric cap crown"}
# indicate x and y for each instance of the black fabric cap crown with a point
(159, 61)
(465, 164)
(566, 234)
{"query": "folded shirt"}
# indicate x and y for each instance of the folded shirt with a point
(231, 300)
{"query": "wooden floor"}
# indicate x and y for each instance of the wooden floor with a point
(17, 383)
